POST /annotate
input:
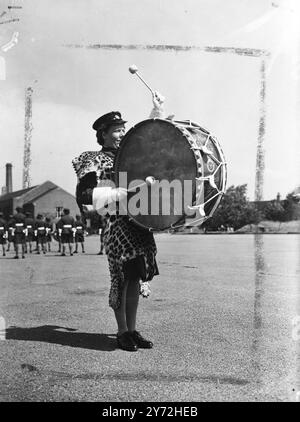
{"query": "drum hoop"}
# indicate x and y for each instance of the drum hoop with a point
(222, 163)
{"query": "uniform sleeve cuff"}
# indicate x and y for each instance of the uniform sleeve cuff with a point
(89, 207)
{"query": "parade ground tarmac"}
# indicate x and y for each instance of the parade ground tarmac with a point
(223, 316)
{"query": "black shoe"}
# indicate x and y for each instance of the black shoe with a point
(140, 341)
(16, 257)
(71, 254)
(83, 251)
(100, 253)
(63, 254)
(126, 342)
(75, 252)
(23, 256)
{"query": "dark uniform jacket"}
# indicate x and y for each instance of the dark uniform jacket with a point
(3, 226)
(84, 190)
(79, 223)
(66, 220)
(85, 186)
(29, 221)
(40, 227)
(19, 222)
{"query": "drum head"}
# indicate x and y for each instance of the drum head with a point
(159, 149)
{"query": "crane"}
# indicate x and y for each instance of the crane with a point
(27, 138)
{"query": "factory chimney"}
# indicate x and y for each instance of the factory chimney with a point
(8, 178)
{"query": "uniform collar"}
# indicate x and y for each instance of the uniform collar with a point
(110, 151)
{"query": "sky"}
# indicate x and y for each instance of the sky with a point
(74, 84)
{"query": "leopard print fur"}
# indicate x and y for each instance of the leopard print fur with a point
(93, 161)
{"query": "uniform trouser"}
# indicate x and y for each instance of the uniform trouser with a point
(19, 242)
(41, 240)
(29, 239)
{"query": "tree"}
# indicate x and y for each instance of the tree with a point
(234, 210)
(274, 211)
(291, 208)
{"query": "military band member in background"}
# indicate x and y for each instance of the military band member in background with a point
(102, 224)
(19, 232)
(79, 234)
(29, 231)
(40, 232)
(66, 228)
(49, 232)
(10, 232)
(3, 233)
(56, 235)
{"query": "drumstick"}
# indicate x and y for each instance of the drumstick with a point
(134, 70)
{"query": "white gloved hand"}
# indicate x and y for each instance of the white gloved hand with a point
(105, 198)
(157, 99)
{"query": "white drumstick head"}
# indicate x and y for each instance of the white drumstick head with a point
(150, 180)
(133, 69)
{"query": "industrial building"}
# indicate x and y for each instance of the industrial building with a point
(47, 199)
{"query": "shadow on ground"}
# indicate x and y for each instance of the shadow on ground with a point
(63, 336)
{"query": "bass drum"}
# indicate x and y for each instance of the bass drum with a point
(188, 167)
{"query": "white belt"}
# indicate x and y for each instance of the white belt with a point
(29, 227)
(67, 226)
(41, 228)
(78, 227)
(1, 228)
(19, 224)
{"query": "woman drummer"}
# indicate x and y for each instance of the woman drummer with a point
(130, 250)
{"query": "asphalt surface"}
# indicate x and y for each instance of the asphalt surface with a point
(223, 316)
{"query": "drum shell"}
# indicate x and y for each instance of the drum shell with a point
(169, 151)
